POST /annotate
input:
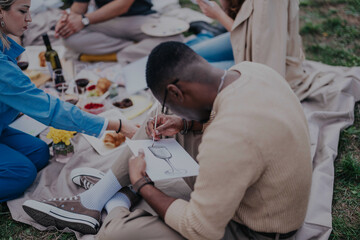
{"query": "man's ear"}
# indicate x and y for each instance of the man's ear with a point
(175, 93)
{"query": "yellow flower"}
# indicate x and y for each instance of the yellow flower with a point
(58, 135)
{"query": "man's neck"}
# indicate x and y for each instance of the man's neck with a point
(231, 76)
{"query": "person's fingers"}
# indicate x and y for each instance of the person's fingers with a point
(160, 130)
(150, 127)
(69, 34)
(141, 153)
(131, 159)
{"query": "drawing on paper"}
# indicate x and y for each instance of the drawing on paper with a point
(163, 153)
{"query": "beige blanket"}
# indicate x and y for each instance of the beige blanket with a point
(328, 108)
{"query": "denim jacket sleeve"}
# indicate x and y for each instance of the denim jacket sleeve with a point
(18, 92)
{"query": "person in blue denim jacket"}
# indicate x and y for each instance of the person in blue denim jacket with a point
(22, 155)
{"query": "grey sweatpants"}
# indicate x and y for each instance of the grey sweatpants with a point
(121, 35)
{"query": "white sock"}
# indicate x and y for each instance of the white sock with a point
(118, 200)
(96, 197)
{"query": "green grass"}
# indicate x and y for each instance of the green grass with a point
(346, 199)
(331, 34)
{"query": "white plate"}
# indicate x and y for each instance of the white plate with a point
(164, 27)
(98, 143)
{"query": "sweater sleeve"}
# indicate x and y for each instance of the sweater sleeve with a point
(229, 164)
(18, 92)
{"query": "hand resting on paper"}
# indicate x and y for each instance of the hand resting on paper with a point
(167, 125)
(137, 166)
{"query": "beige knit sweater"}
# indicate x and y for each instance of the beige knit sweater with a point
(255, 164)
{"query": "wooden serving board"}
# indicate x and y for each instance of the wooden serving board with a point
(40, 80)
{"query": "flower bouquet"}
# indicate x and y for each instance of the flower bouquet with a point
(62, 147)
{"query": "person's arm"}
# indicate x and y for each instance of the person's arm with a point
(214, 11)
(159, 201)
(110, 11)
(18, 92)
(127, 128)
(236, 165)
(79, 7)
(107, 12)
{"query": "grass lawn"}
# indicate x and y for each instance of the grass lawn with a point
(331, 34)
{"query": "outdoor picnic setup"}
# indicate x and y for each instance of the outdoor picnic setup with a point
(168, 119)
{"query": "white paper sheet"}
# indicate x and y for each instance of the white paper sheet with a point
(158, 169)
(134, 73)
(28, 125)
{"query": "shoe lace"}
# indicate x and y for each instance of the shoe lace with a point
(64, 198)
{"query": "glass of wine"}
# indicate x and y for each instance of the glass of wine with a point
(71, 95)
(23, 61)
(163, 153)
(62, 88)
(82, 83)
(58, 77)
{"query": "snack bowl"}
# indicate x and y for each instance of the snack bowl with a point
(94, 105)
(123, 102)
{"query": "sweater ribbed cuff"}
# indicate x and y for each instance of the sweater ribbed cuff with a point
(174, 214)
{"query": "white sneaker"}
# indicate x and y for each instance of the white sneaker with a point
(86, 177)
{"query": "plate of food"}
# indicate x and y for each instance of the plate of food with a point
(133, 105)
(164, 27)
(110, 141)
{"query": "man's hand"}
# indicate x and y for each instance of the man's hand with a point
(61, 24)
(137, 166)
(68, 25)
(167, 125)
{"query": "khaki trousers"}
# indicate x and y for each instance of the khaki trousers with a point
(139, 224)
(121, 35)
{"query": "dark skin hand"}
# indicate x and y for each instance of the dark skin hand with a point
(168, 125)
(159, 201)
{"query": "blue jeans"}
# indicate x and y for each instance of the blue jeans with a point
(217, 51)
(21, 157)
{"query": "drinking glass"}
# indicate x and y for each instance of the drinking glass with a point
(62, 88)
(71, 95)
(163, 153)
(82, 83)
(58, 77)
(23, 61)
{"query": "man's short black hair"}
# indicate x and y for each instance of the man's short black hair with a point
(168, 62)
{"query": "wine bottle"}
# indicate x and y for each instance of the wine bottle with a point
(51, 56)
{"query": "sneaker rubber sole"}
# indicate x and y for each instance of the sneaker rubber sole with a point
(48, 215)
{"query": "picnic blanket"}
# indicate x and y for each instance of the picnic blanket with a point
(54, 180)
(328, 109)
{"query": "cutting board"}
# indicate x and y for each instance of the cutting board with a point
(40, 80)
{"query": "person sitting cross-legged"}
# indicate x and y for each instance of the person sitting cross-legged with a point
(255, 164)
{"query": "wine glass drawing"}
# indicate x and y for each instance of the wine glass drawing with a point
(163, 153)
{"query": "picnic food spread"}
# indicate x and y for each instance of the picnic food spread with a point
(42, 60)
(113, 139)
(103, 85)
(125, 103)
